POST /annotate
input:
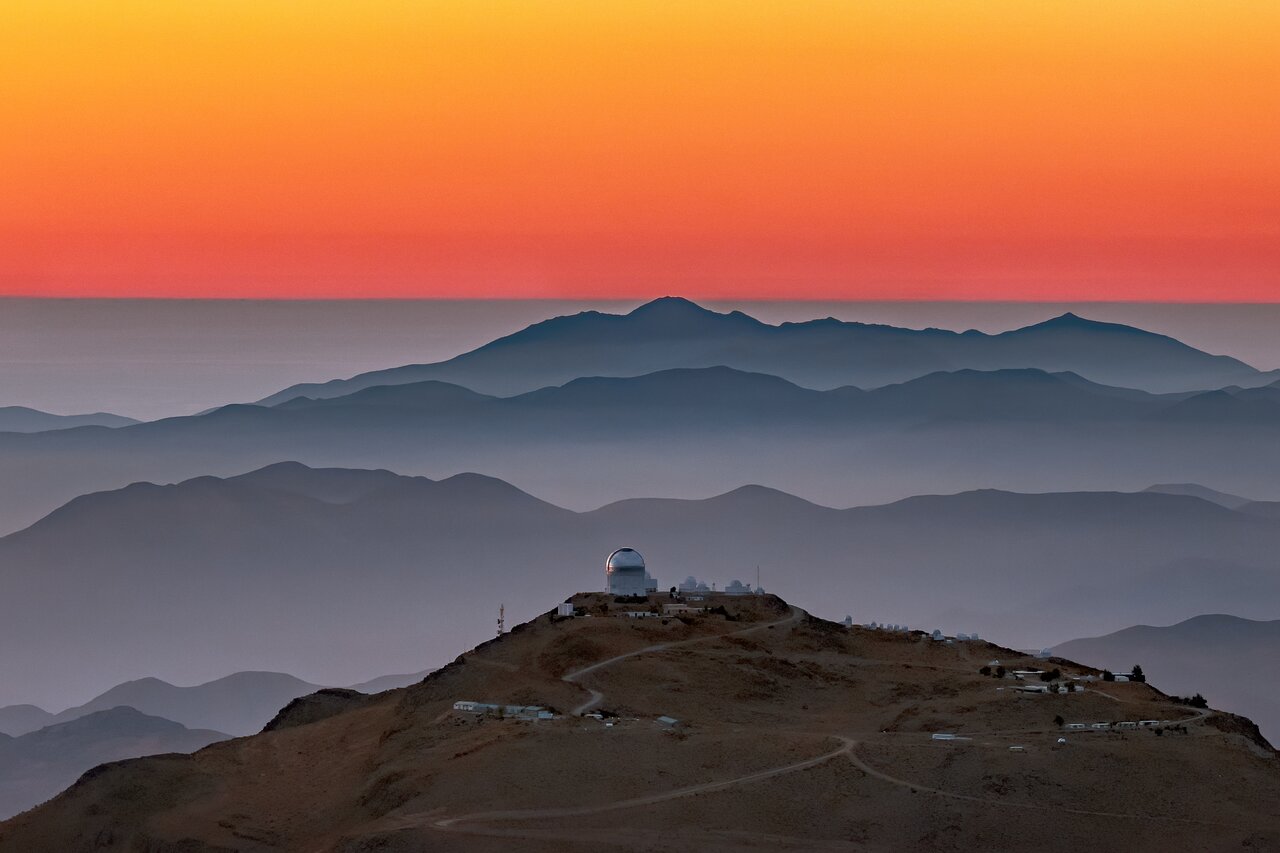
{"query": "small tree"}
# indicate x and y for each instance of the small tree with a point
(1000, 672)
(1058, 721)
(1108, 675)
(1198, 701)
(1138, 674)
(986, 670)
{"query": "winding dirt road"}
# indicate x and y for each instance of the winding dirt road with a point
(915, 786)
(846, 745)
(596, 697)
(476, 822)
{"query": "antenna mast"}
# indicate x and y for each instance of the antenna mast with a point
(502, 610)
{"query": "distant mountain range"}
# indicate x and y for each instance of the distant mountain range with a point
(690, 432)
(822, 354)
(22, 419)
(1227, 659)
(35, 766)
(332, 572)
(238, 704)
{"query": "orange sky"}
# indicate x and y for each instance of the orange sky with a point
(994, 149)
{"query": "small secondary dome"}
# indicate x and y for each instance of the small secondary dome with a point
(624, 560)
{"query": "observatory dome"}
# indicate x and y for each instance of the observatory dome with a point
(624, 573)
(624, 560)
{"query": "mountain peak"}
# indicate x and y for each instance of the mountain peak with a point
(1070, 319)
(671, 305)
(676, 311)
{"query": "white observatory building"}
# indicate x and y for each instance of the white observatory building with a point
(624, 574)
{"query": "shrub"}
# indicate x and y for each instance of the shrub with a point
(1108, 675)
(986, 670)
(1196, 701)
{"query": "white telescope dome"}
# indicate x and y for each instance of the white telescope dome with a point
(624, 560)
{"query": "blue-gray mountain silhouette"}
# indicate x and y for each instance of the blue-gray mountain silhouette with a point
(23, 419)
(36, 766)
(1203, 492)
(22, 718)
(238, 704)
(672, 332)
(397, 571)
(689, 432)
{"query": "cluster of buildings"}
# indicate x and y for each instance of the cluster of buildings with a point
(876, 626)
(1124, 725)
(937, 634)
(511, 712)
(625, 574)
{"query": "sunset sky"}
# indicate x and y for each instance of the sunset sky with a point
(901, 149)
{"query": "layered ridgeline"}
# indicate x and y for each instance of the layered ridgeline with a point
(827, 353)
(41, 753)
(335, 573)
(23, 419)
(238, 704)
(694, 432)
(37, 765)
(1227, 659)
(739, 723)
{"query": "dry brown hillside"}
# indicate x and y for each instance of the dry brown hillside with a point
(793, 734)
